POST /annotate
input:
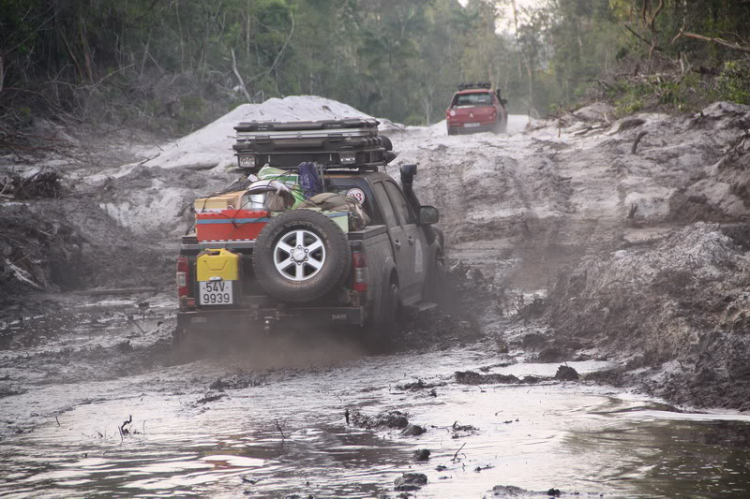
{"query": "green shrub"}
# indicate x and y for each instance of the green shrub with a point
(632, 97)
(733, 83)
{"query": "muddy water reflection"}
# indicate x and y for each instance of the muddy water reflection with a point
(573, 437)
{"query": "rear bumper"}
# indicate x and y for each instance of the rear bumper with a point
(461, 129)
(209, 321)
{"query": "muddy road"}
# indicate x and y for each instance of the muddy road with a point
(598, 344)
(92, 418)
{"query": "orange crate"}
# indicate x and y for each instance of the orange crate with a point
(230, 225)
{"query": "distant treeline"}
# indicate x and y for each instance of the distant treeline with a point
(191, 60)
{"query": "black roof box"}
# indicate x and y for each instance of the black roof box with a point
(301, 126)
(352, 143)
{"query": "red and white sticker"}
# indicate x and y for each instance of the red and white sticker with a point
(357, 194)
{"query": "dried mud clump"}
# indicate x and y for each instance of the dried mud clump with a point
(474, 378)
(237, 382)
(38, 251)
(410, 481)
(566, 373)
(43, 184)
(388, 419)
(682, 300)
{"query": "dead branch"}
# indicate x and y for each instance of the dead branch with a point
(648, 19)
(123, 430)
(640, 37)
(43, 184)
(707, 39)
(131, 319)
(72, 54)
(455, 456)
(632, 211)
(243, 87)
(143, 162)
(590, 129)
(278, 427)
(634, 149)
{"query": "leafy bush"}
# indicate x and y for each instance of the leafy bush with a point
(733, 83)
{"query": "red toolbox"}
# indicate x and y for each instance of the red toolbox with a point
(230, 225)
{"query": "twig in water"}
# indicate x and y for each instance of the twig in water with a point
(633, 209)
(130, 318)
(455, 456)
(124, 431)
(278, 427)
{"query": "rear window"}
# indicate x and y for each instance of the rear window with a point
(477, 99)
(344, 188)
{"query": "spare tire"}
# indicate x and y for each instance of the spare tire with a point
(301, 255)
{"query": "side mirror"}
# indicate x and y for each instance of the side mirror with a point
(428, 215)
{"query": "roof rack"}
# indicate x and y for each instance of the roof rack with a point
(348, 144)
(467, 86)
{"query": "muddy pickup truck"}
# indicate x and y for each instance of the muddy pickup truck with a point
(302, 267)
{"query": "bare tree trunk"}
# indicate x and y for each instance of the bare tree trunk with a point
(182, 43)
(239, 78)
(648, 17)
(525, 57)
(145, 52)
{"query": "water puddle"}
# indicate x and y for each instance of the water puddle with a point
(288, 435)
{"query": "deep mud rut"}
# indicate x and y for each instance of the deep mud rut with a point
(95, 401)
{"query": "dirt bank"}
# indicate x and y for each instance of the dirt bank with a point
(638, 227)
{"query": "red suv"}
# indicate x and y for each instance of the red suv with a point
(477, 108)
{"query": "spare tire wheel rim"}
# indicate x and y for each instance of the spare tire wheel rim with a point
(299, 255)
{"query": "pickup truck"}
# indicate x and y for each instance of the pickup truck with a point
(303, 269)
(476, 108)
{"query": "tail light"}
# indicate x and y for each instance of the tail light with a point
(182, 276)
(359, 264)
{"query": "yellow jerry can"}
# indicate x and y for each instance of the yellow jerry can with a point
(218, 265)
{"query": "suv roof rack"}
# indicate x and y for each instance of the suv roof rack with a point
(467, 86)
(348, 144)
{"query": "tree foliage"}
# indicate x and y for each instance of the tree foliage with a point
(187, 59)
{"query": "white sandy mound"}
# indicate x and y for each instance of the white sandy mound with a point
(211, 146)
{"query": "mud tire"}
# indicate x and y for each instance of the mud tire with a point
(452, 131)
(333, 271)
(501, 127)
(380, 332)
(437, 286)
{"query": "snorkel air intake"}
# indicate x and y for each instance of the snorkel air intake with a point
(407, 181)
